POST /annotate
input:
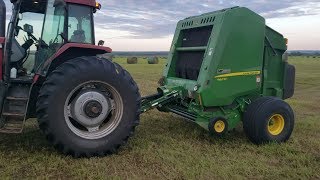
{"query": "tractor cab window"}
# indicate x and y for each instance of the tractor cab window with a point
(52, 33)
(53, 24)
(27, 32)
(80, 24)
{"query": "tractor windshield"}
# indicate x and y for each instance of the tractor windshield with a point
(52, 32)
(80, 24)
(53, 24)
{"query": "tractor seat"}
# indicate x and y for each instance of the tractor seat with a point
(20, 52)
(78, 36)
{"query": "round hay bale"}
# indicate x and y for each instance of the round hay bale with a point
(153, 60)
(132, 60)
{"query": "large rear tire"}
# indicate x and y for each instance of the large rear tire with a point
(88, 107)
(268, 119)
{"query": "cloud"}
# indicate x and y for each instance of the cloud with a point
(145, 19)
(157, 18)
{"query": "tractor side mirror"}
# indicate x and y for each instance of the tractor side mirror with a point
(28, 28)
(101, 43)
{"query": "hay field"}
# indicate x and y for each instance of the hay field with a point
(167, 147)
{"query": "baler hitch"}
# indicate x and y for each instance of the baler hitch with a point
(158, 100)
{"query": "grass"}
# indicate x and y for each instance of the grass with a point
(167, 147)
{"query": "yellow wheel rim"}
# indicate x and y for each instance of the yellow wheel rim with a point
(219, 126)
(276, 124)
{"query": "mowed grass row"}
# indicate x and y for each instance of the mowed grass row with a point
(166, 147)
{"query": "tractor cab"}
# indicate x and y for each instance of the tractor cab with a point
(41, 27)
(41, 36)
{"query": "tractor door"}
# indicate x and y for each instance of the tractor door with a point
(52, 33)
(64, 23)
(24, 45)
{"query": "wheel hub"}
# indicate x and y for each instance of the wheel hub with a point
(90, 108)
(276, 124)
(219, 126)
(93, 109)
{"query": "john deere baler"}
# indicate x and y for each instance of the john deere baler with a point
(226, 67)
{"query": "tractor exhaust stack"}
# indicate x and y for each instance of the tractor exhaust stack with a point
(2, 19)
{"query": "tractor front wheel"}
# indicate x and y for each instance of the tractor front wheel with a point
(268, 119)
(88, 107)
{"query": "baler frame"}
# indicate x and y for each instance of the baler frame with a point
(217, 70)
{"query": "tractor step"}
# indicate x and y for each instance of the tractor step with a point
(13, 124)
(13, 114)
(13, 128)
(22, 80)
(17, 98)
(14, 109)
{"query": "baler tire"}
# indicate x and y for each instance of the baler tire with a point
(213, 125)
(54, 94)
(260, 113)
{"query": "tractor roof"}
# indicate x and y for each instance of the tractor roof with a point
(83, 2)
(33, 6)
(39, 6)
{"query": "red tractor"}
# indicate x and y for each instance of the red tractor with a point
(85, 105)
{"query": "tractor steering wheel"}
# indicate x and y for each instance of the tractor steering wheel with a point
(42, 44)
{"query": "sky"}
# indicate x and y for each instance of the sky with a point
(149, 25)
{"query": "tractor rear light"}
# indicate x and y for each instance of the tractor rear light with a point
(98, 6)
(286, 41)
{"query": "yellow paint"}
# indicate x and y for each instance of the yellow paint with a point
(222, 79)
(219, 126)
(247, 73)
(200, 100)
(276, 124)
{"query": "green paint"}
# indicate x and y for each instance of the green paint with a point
(242, 61)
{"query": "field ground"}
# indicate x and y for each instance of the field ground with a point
(167, 147)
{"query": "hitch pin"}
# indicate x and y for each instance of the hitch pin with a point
(155, 104)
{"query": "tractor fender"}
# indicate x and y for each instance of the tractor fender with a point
(67, 52)
(70, 51)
